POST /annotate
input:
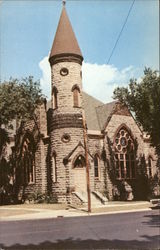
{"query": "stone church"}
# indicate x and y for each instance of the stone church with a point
(50, 152)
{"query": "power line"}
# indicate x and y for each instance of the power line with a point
(121, 31)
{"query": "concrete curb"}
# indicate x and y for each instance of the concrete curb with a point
(50, 214)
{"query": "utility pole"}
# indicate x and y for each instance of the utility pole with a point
(87, 163)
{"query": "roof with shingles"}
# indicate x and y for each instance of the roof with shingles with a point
(104, 113)
(89, 105)
(97, 113)
(65, 41)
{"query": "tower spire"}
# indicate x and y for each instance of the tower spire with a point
(64, 2)
(65, 43)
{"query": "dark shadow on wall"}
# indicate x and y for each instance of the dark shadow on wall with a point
(147, 242)
(49, 165)
(140, 185)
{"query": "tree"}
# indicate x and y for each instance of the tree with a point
(18, 100)
(143, 98)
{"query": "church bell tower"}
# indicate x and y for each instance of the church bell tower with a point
(66, 127)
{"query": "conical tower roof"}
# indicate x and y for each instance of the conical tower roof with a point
(65, 42)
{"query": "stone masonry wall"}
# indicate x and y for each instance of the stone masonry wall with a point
(115, 122)
(38, 130)
(63, 149)
(63, 120)
(64, 86)
(95, 147)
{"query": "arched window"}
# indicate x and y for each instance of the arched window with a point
(124, 155)
(54, 168)
(76, 92)
(150, 162)
(79, 162)
(96, 167)
(28, 160)
(54, 94)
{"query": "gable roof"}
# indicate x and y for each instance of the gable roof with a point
(104, 113)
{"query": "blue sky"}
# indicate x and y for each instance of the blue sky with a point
(28, 28)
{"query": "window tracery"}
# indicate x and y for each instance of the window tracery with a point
(124, 155)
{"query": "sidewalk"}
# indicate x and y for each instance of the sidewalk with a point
(46, 211)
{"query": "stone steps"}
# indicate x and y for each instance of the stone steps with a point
(96, 200)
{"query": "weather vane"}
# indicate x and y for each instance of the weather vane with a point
(64, 2)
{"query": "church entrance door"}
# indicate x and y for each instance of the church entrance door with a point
(80, 174)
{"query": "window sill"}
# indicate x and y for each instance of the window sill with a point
(77, 107)
(30, 183)
(124, 179)
(97, 179)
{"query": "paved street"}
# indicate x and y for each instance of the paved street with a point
(138, 230)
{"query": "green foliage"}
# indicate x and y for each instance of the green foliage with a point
(18, 99)
(143, 98)
(39, 197)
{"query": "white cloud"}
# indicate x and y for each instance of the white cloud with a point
(98, 80)
(101, 80)
(45, 80)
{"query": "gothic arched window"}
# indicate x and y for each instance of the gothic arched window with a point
(79, 162)
(124, 155)
(96, 167)
(76, 92)
(28, 160)
(54, 93)
(54, 168)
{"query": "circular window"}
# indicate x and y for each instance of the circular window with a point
(64, 71)
(123, 141)
(118, 135)
(117, 141)
(122, 132)
(66, 138)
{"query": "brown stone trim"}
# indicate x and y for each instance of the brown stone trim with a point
(65, 58)
(66, 121)
(123, 125)
(75, 86)
(96, 136)
(121, 109)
